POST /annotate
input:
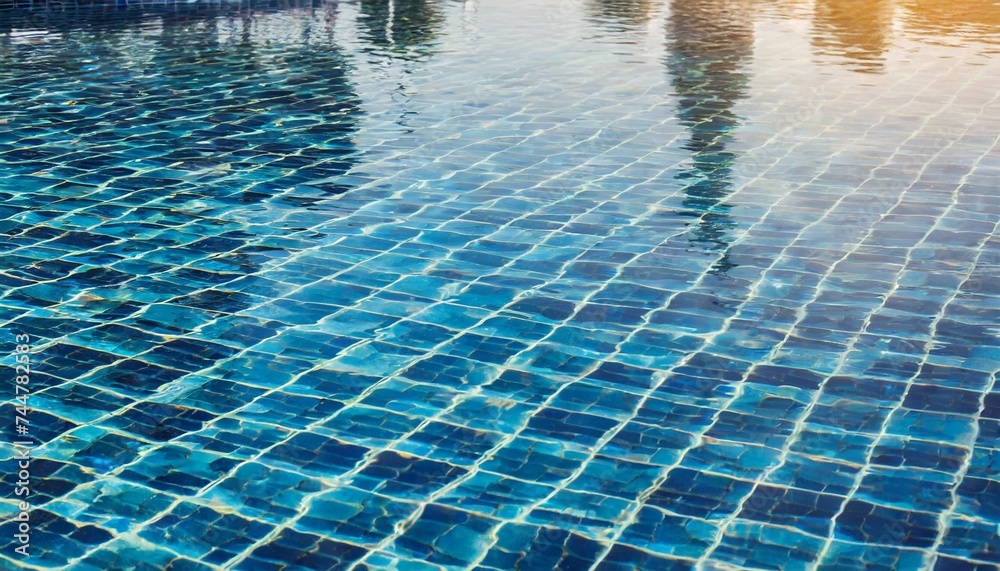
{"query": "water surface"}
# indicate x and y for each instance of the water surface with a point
(417, 284)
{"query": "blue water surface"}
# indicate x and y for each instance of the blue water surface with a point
(503, 284)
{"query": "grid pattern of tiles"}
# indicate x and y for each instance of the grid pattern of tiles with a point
(419, 285)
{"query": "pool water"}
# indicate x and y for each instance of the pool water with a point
(503, 284)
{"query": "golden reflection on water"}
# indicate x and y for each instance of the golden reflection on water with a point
(858, 34)
(858, 30)
(862, 31)
(977, 20)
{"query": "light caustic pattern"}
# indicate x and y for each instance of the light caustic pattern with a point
(505, 285)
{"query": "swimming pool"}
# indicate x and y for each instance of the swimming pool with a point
(418, 284)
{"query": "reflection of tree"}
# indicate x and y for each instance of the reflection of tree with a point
(854, 29)
(860, 30)
(178, 120)
(249, 105)
(709, 43)
(296, 100)
(405, 28)
(627, 14)
(969, 19)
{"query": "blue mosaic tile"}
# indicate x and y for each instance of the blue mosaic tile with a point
(203, 534)
(264, 493)
(444, 536)
(112, 504)
(495, 495)
(354, 515)
(299, 551)
(534, 547)
(767, 547)
(843, 554)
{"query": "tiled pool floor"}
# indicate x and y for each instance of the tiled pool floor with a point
(494, 285)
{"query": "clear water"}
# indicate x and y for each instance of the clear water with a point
(496, 285)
